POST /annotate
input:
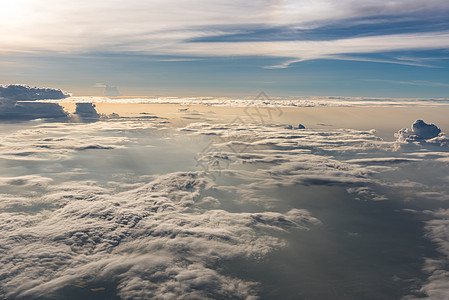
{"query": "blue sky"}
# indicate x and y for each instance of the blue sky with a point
(229, 48)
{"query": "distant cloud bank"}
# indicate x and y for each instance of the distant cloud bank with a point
(18, 92)
(109, 91)
(291, 101)
(15, 102)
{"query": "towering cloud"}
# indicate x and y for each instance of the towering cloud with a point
(16, 92)
(15, 102)
(422, 133)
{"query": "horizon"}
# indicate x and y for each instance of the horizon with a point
(248, 97)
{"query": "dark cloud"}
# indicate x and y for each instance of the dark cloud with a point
(15, 102)
(86, 110)
(30, 110)
(16, 92)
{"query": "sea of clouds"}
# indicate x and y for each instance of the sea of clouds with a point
(168, 235)
(15, 101)
(156, 240)
(353, 159)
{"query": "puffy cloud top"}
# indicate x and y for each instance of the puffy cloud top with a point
(421, 132)
(86, 110)
(10, 108)
(17, 92)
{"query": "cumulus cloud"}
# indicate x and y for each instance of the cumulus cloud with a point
(14, 102)
(86, 111)
(17, 92)
(27, 110)
(109, 91)
(422, 133)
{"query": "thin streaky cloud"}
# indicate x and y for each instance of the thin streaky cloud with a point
(386, 61)
(308, 50)
(158, 27)
(412, 82)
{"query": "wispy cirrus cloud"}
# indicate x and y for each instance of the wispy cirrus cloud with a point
(413, 82)
(181, 28)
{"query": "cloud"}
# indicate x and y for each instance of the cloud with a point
(274, 103)
(282, 158)
(27, 110)
(292, 158)
(308, 50)
(109, 91)
(149, 242)
(44, 142)
(10, 108)
(170, 235)
(422, 133)
(366, 194)
(434, 195)
(25, 181)
(154, 240)
(161, 28)
(86, 110)
(16, 92)
(383, 160)
(437, 283)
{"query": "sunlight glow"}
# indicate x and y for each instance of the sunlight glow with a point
(12, 13)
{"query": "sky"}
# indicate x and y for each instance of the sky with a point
(228, 48)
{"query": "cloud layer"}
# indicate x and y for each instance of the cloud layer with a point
(146, 240)
(169, 236)
(273, 102)
(156, 240)
(326, 158)
(161, 28)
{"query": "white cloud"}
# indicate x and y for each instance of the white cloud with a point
(164, 28)
(275, 102)
(146, 240)
(26, 181)
(165, 238)
(437, 284)
(422, 133)
(51, 141)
